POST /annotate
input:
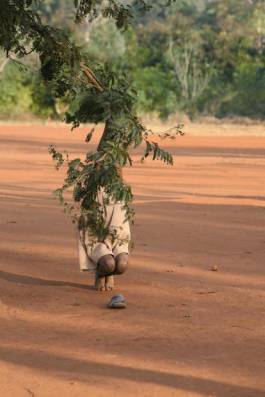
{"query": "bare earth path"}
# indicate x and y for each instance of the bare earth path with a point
(188, 331)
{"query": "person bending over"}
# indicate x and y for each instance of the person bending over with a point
(106, 258)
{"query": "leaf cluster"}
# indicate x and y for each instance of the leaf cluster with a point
(96, 94)
(122, 14)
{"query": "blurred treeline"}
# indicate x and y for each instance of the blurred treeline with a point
(196, 57)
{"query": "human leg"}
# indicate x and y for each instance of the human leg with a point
(102, 254)
(121, 263)
(109, 283)
(105, 267)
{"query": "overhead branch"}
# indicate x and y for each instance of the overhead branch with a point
(91, 77)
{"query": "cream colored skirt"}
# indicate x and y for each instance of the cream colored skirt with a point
(90, 251)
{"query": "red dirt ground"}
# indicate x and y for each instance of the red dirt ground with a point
(188, 331)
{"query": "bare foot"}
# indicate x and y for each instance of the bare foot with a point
(109, 283)
(100, 283)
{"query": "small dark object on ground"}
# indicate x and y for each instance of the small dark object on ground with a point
(117, 302)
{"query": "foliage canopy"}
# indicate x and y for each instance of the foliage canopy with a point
(96, 94)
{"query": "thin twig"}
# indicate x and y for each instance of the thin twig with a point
(30, 392)
(91, 77)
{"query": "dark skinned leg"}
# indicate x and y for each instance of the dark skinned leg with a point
(105, 267)
(121, 263)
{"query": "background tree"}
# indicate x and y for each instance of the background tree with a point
(228, 56)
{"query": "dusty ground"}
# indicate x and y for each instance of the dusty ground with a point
(188, 331)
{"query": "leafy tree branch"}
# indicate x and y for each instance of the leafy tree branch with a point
(97, 95)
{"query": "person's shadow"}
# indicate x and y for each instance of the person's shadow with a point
(21, 279)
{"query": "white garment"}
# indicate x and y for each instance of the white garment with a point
(91, 251)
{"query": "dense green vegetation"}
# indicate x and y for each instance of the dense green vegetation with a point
(203, 57)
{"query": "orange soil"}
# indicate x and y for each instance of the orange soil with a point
(188, 331)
